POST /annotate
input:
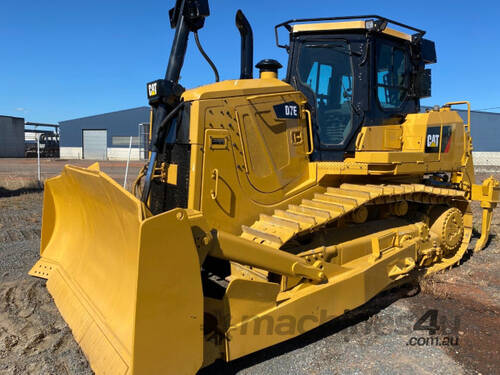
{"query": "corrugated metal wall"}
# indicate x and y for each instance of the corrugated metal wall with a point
(11, 137)
(485, 129)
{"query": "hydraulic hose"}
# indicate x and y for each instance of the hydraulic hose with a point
(154, 154)
(203, 53)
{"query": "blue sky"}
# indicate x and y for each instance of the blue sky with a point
(68, 59)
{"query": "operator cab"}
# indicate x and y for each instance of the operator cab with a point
(354, 74)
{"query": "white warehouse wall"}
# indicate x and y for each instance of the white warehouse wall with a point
(486, 158)
(114, 153)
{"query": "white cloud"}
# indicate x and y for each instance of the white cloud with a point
(20, 109)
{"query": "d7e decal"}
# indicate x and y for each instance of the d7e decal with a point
(287, 110)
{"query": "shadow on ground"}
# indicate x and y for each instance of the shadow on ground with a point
(5, 193)
(336, 325)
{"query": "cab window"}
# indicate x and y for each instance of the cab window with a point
(392, 76)
(325, 72)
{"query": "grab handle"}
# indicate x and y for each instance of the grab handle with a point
(310, 128)
(449, 104)
(215, 176)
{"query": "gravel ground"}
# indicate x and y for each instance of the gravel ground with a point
(372, 339)
(21, 175)
(34, 339)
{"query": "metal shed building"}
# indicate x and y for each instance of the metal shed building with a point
(485, 129)
(11, 137)
(106, 136)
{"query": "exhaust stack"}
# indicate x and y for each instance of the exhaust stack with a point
(246, 45)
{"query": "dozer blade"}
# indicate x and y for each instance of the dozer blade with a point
(129, 287)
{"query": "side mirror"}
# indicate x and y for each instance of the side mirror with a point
(428, 51)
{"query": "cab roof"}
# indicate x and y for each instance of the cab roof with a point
(365, 22)
(347, 25)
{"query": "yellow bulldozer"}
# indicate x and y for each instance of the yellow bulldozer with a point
(268, 206)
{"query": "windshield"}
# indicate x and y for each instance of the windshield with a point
(325, 70)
